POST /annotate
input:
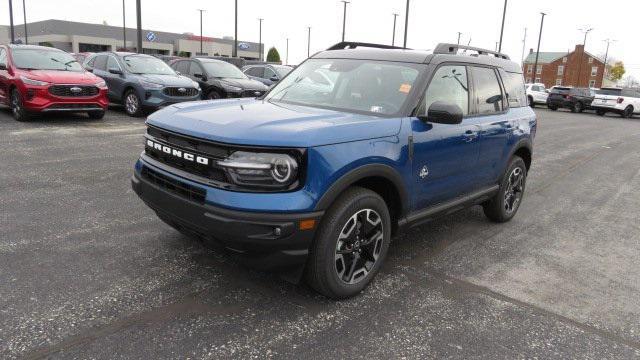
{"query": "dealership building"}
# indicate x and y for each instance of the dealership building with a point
(82, 37)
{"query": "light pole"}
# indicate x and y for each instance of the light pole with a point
(504, 14)
(459, 34)
(24, 14)
(406, 25)
(535, 64)
(524, 41)
(139, 25)
(13, 35)
(309, 42)
(201, 11)
(393, 37)
(260, 39)
(286, 59)
(234, 53)
(344, 17)
(606, 53)
(584, 43)
(124, 28)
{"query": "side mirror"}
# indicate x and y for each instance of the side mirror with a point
(115, 71)
(3, 66)
(443, 113)
(547, 91)
(494, 99)
(274, 78)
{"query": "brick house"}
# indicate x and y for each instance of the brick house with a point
(564, 68)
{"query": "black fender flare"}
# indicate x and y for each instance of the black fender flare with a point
(363, 172)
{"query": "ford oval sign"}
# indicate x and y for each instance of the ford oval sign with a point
(243, 46)
(151, 36)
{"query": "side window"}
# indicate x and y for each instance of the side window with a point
(91, 62)
(268, 73)
(3, 57)
(112, 63)
(514, 86)
(449, 84)
(487, 90)
(256, 71)
(195, 68)
(182, 67)
(100, 63)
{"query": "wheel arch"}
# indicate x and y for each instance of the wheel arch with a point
(523, 149)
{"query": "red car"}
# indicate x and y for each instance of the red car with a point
(36, 79)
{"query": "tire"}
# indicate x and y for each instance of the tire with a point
(505, 204)
(132, 104)
(553, 108)
(531, 102)
(628, 112)
(97, 115)
(600, 112)
(578, 107)
(17, 107)
(213, 95)
(345, 274)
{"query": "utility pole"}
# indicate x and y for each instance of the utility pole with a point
(13, 35)
(393, 37)
(24, 13)
(124, 28)
(234, 53)
(535, 64)
(139, 25)
(286, 61)
(406, 25)
(584, 43)
(606, 54)
(459, 34)
(309, 42)
(260, 39)
(201, 11)
(524, 41)
(344, 17)
(504, 14)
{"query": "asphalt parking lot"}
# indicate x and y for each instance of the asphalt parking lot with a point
(88, 271)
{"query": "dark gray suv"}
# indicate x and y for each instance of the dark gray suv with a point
(267, 74)
(142, 83)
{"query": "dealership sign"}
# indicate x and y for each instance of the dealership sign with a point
(151, 36)
(243, 46)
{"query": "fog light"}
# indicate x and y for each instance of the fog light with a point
(277, 231)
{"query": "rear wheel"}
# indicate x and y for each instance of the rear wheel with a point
(504, 205)
(600, 112)
(553, 108)
(17, 107)
(530, 100)
(628, 112)
(351, 244)
(213, 95)
(132, 104)
(97, 115)
(578, 107)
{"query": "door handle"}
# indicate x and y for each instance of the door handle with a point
(469, 135)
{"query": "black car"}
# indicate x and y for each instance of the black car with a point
(219, 79)
(574, 99)
(267, 74)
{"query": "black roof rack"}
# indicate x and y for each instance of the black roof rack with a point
(452, 49)
(352, 45)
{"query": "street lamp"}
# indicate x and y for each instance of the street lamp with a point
(535, 64)
(13, 35)
(139, 25)
(393, 37)
(124, 28)
(260, 39)
(606, 54)
(309, 42)
(406, 25)
(24, 13)
(504, 14)
(287, 56)
(344, 17)
(459, 34)
(524, 41)
(201, 11)
(234, 52)
(584, 43)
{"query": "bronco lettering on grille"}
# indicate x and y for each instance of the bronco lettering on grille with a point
(178, 153)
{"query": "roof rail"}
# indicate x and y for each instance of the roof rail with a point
(452, 49)
(352, 45)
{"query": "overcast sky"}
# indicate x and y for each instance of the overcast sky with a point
(430, 22)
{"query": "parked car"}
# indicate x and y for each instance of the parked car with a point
(142, 83)
(622, 101)
(38, 79)
(267, 74)
(236, 61)
(574, 99)
(317, 186)
(81, 57)
(219, 79)
(537, 94)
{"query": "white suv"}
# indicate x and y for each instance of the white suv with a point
(537, 94)
(625, 102)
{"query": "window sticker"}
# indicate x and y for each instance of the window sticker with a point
(405, 88)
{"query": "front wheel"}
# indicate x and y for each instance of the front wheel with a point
(578, 107)
(17, 107)
(600, 112)
(553, 108)
(531, 103)
(504, 205)
(132, 104)
(213, 95)
(350, 245)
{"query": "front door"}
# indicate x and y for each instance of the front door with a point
(445, 156)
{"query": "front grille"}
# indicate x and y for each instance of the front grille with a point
(179, 188)
(73, 90)
(74, 106)
(180, 91)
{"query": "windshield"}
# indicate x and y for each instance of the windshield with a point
(45, 59)
(221, 69)
(376, 87)
(282, 70)
(614, 92)
(137, 64)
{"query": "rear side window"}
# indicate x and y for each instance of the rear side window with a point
(630, 93)
(488, 94)
(112, 63)
(450, 85)
(256, 71)
(182, 67)
(100, 63)
(514, 86)
(195, 69)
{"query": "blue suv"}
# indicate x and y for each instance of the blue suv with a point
(358, 142)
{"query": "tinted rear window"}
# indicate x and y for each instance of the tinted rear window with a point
(614, 92)
(560, 90)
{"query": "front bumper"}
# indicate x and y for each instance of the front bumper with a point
(267, 241)
(38, 99)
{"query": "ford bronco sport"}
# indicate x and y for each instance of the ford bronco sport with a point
(314, 178)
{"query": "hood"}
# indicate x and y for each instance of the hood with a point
(245, 84)
(261, 123)
(61, 77)
(167, 80)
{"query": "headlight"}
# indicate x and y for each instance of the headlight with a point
(149, 85)
(266, 170)
(101, 84)
(195, 85)
(28, 81)
(232, 88)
